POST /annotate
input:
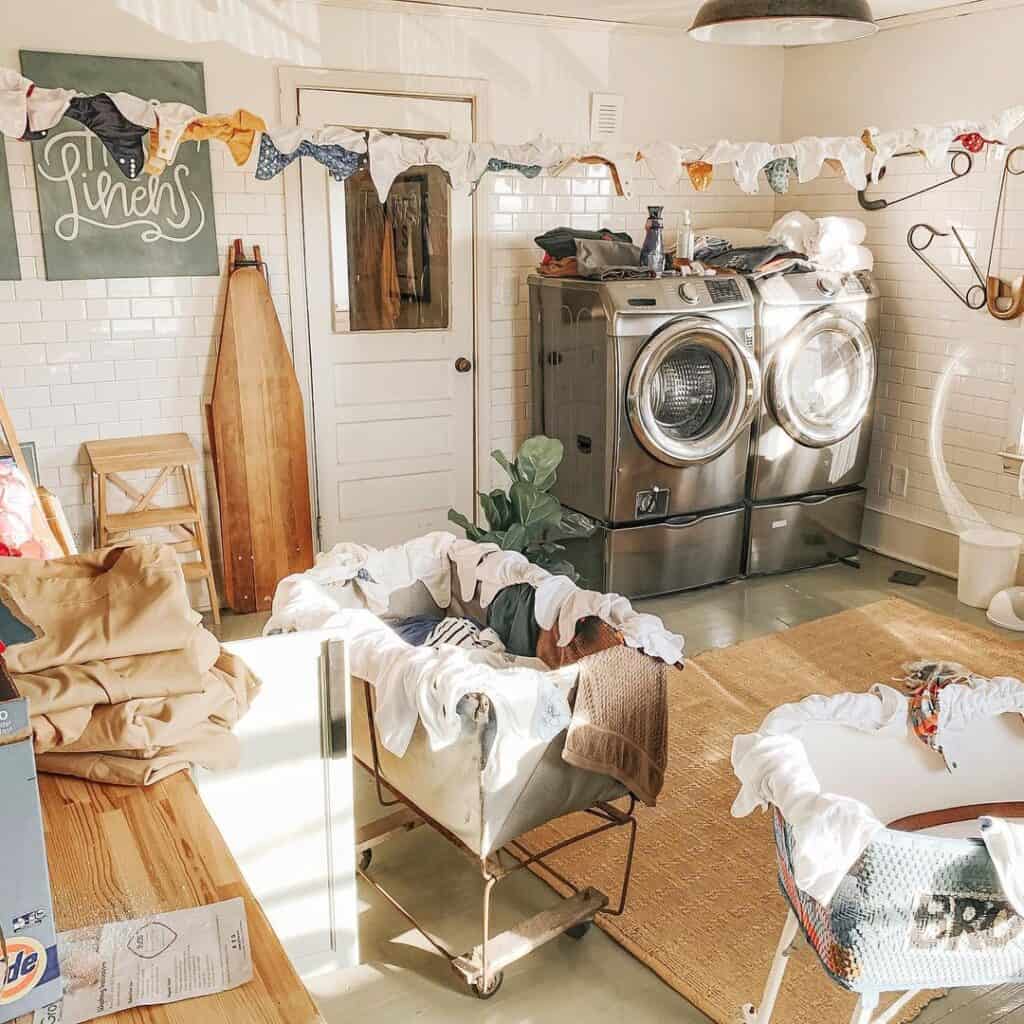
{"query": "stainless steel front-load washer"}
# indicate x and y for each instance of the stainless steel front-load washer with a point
(651, 386)
(817, 348)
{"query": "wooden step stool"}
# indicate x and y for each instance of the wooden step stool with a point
(168, 453)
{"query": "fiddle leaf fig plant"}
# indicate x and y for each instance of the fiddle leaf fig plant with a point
(526, 518)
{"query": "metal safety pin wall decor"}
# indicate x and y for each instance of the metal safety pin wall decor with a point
(997, 290)
(960, 164)
(975, 297)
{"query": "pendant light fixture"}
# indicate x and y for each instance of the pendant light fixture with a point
(782, 22)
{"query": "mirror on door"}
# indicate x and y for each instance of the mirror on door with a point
(390, 261)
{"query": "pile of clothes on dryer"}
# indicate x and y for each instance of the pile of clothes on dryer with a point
(796, 243)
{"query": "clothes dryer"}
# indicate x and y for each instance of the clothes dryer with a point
(816, 343)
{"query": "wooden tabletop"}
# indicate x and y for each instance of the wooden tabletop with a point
(120, 852)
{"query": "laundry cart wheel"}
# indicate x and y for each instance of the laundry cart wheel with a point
(577, 931)
(485, 993)
(365, 859)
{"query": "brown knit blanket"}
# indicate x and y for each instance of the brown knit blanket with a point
(619, 721)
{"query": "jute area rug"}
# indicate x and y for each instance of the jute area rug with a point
(704, 908)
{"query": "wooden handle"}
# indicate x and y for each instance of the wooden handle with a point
(256, 254)
(996, 289)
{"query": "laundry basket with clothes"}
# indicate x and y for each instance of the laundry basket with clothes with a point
(899, 835)
(492, 696)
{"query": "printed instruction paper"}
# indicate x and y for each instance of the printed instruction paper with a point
(150, 960)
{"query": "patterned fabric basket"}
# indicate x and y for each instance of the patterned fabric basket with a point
(914, 912)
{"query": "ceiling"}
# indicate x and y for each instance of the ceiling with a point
(670, 13)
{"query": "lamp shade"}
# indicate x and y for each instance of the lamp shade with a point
(782, 22)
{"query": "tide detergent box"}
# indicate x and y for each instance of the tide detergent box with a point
(29, 970)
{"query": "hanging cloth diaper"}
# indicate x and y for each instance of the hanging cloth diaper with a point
(341, 163)
(747, 158)
(845, 155)
(778, 173)
(667, 162)
(390, 156)
(453, 157)
(620, 169)
(14, 89)
(700, 174)
(495, 165)
(26, 111)
(237, 131)
(137, 111)
(121, 137)
(171, 121)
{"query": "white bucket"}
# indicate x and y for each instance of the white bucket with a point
(988, 564)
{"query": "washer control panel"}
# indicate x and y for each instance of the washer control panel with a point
(723, 289)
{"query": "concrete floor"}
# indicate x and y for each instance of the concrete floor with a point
(403, 980)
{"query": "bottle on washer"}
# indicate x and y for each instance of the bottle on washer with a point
(685, 242)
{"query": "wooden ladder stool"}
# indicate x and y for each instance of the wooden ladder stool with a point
(168, 454)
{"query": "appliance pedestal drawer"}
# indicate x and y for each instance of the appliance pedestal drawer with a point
(804, 532)
(664, 556)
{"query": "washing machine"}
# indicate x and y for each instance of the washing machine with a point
(651, 386)
(816, 343)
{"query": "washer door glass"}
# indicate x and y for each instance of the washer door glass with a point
(692, 390)
(823, 379)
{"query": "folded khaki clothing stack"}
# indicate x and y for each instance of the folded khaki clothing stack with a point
(123, 682)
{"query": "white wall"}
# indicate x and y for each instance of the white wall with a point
(81, 360)
(967, 67)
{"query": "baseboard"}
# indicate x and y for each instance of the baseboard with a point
(920, 545)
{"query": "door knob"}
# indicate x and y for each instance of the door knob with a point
(463, 365)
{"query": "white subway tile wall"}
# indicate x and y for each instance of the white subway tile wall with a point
(114, 358)
(522, 208)
(951, 386)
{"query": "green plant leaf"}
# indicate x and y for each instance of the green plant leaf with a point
(515, 538)
(538, 459)
(503, 507)
(502, 460)
(494, 515)
(473, 532)
(534, 509)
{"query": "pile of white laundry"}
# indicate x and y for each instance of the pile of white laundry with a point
(830, 831)
(350, 587)
(831, 244)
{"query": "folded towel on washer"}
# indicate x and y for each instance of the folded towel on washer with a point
(619, 721)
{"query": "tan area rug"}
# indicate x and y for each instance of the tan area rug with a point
(704, 909)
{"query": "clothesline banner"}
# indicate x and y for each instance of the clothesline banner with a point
(151, 136)
(100, 220)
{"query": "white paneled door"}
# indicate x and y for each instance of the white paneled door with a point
(391, 329)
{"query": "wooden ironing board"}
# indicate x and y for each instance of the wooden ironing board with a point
(258, 442)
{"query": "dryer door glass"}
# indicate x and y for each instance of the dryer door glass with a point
(692, 391)
(823, 378)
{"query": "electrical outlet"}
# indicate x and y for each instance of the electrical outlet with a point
(898, 477)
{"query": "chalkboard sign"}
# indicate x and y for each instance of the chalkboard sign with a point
(10, 268)
(96, 222)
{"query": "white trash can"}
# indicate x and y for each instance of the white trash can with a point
(988, 564)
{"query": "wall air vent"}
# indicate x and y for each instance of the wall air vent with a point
(605, 116)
